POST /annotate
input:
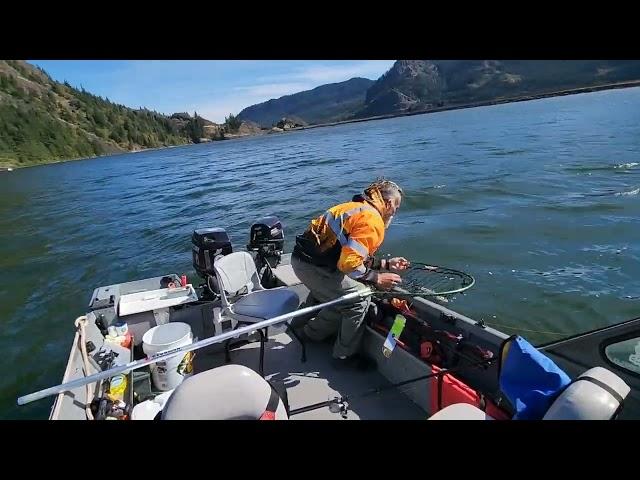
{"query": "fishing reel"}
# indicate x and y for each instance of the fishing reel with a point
(339, 405)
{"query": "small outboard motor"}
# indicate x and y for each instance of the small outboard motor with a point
(209, 243)
(266, 237)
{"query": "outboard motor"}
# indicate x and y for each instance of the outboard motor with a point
(266, 237)
(209, 243)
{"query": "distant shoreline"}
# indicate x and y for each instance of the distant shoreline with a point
(104, 155)
(445, 108)
(484, 103)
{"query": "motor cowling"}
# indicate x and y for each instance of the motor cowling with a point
(208, 243)
(266, 236)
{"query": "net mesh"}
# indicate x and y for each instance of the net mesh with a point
(422, 279)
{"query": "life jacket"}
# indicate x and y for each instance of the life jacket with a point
(345, 237)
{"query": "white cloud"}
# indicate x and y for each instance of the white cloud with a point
(311, 76)
(273, 89)
(242, 97)
(295, 77)
(275, 86)
(331, 73)
(338, 73)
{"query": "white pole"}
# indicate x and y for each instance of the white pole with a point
(187, 348)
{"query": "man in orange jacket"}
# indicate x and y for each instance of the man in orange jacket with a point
(334, 257)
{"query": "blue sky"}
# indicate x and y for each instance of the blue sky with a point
(213, 88)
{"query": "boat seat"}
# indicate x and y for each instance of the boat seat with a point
(247, 301)
(461, 411)
(264, 304)
(230, 392)
(597, 394)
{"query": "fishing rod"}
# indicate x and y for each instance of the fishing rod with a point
(64, 387)
(341, 405)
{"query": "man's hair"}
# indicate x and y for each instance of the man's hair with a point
(387, 189)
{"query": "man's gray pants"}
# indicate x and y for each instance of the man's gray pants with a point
(347, 319)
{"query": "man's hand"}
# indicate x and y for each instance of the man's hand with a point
(387, 281)
(398, 264)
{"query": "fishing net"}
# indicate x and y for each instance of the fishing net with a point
(422, 280)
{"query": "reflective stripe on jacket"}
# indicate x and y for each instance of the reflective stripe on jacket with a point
(352, 232)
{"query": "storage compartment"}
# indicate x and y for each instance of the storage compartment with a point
(155, 300)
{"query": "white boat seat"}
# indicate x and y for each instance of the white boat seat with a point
(597, 394)
(230, 392)
(461, 411)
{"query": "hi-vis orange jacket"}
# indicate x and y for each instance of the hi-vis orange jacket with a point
(345, 237)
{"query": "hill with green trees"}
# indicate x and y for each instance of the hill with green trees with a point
(43, 121)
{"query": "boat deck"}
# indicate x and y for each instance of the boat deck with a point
(316, 380)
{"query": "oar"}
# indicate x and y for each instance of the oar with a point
(187, 348)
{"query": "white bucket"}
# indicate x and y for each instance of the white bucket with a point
(168, 374)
